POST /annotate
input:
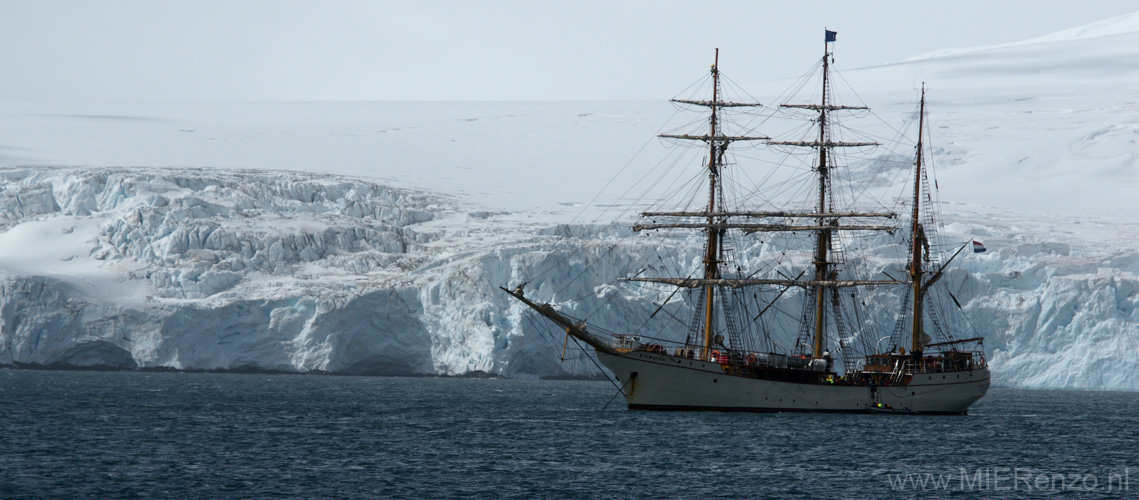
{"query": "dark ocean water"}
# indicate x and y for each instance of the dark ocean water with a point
(191, 435)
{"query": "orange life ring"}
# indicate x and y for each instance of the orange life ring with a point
(715, 356)
(751, 359)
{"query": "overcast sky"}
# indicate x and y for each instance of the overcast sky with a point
(234, 50)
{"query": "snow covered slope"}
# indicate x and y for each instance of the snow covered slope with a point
(372, 237)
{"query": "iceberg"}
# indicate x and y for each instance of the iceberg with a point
(312, 237)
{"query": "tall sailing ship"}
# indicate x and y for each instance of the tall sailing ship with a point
(721, 366)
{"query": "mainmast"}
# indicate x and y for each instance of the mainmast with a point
(918, 235)
(826, 223)
(823, 238)
(716, 219)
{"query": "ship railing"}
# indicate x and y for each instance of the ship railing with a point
(629, 342)
(626, 341)
(950, 361)
(726, 357)
(748, 358)
(958, 361)
(723, 356)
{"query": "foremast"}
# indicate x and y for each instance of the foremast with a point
(716, 219)
(715, 223)
(714, 235)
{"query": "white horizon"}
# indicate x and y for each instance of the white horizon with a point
(502, 50)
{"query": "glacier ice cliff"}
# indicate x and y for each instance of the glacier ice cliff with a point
(204, 269)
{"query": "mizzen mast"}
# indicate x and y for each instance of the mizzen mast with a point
(918, 236)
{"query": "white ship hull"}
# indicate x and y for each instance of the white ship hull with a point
(936, 377)
(671, 383)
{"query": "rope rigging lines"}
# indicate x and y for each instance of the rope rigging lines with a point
(854, 174)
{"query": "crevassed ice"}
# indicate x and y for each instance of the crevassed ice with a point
(223, 270)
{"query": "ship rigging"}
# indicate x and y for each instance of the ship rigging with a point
(754, 259)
